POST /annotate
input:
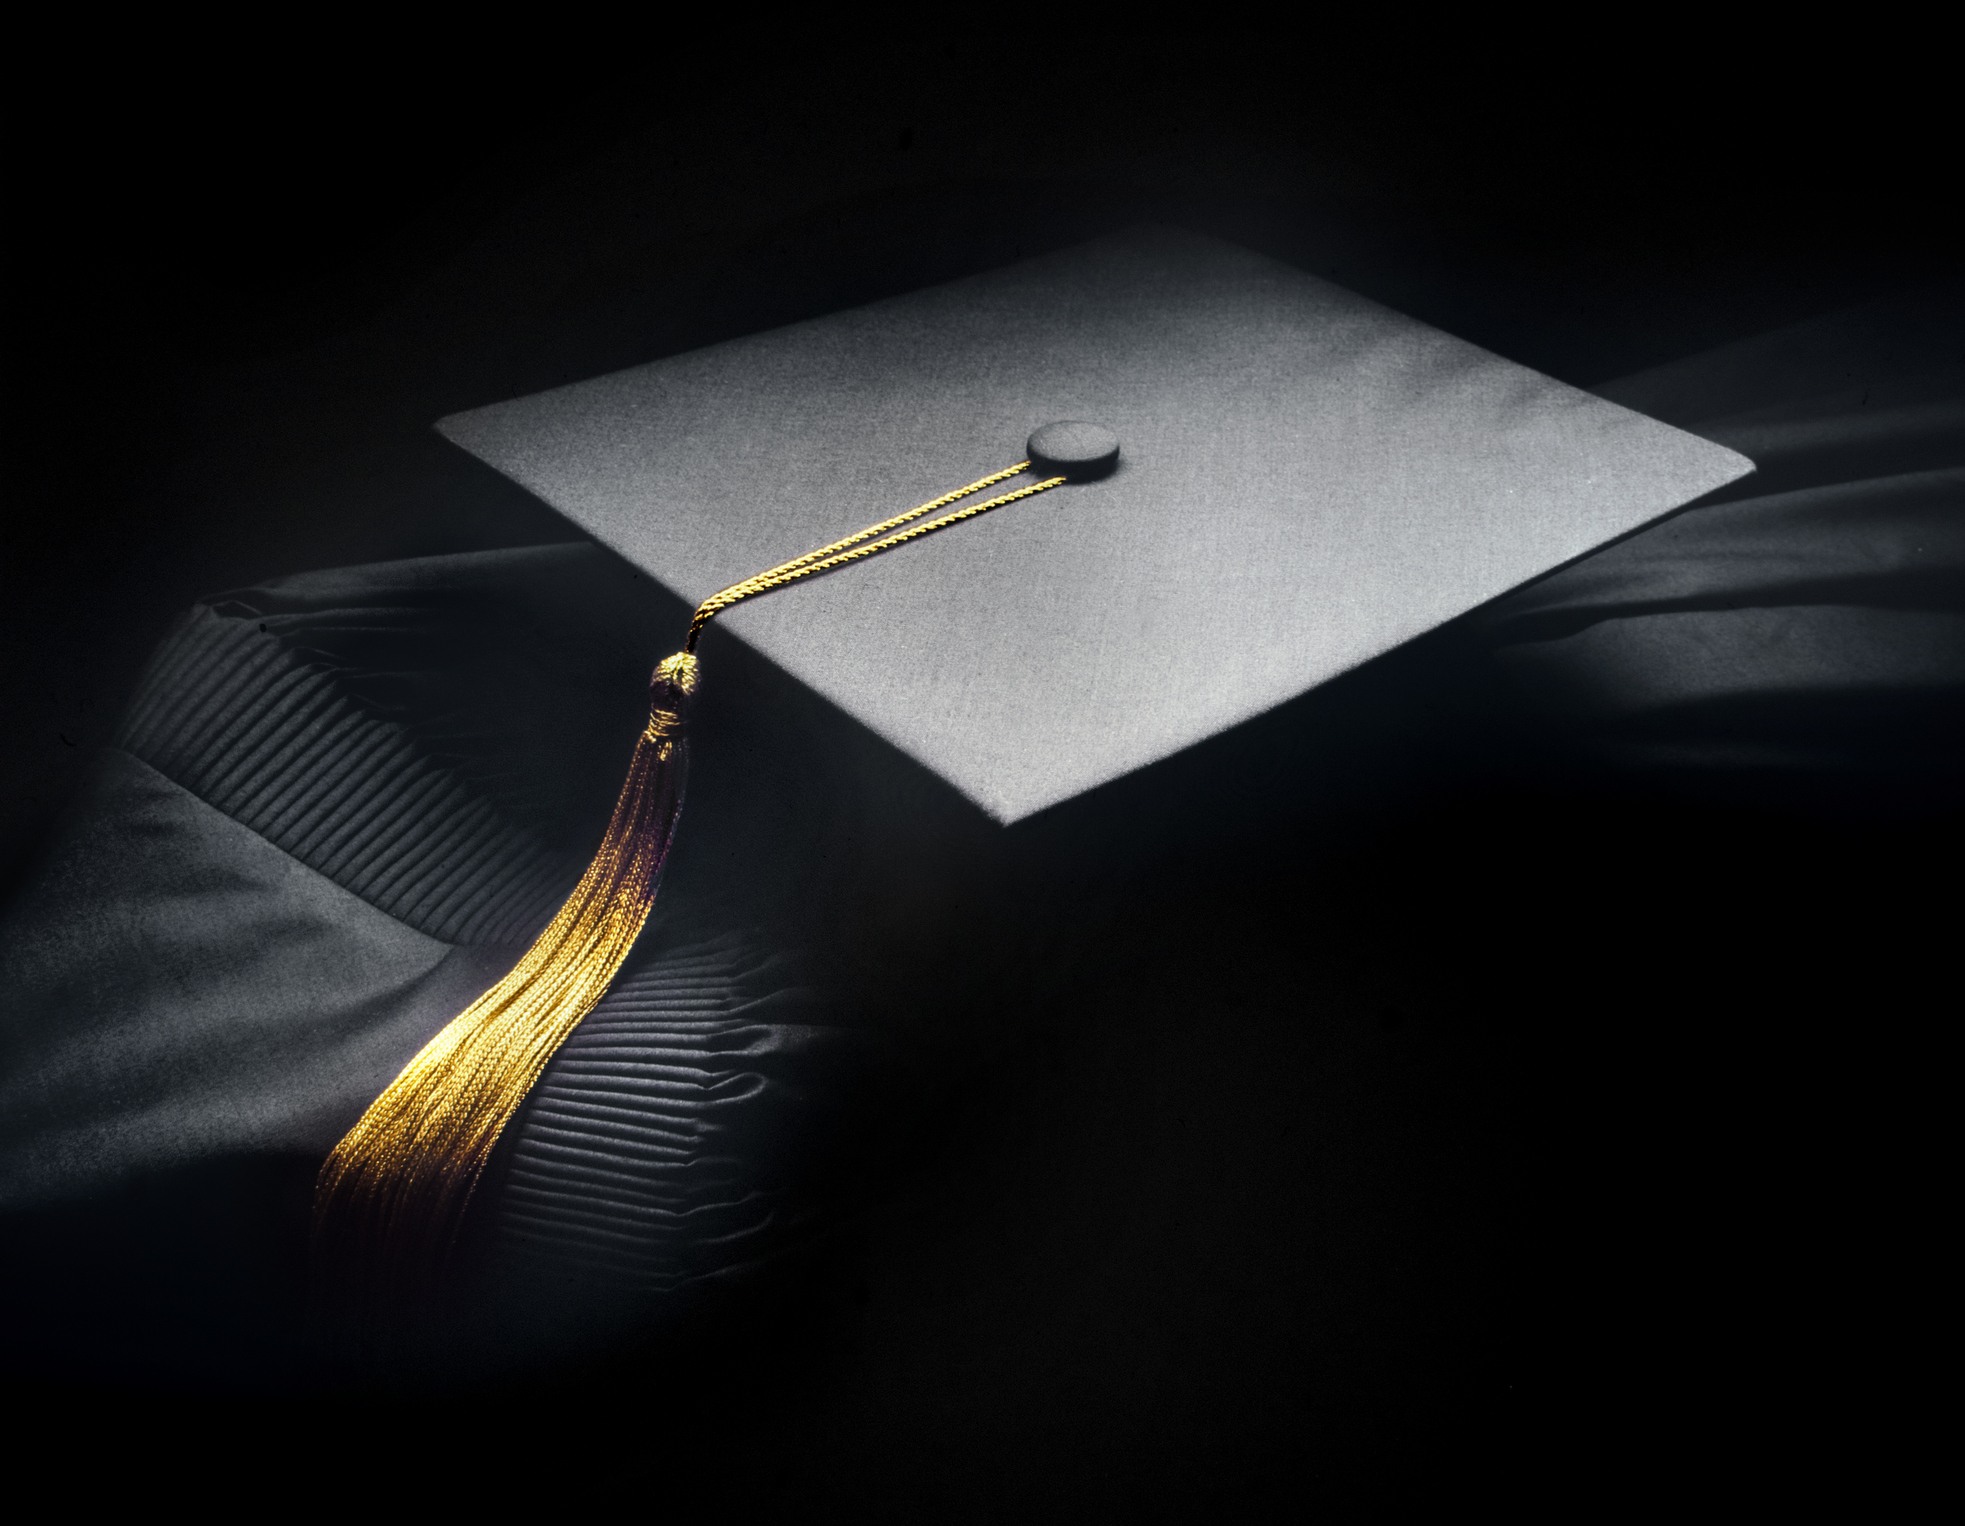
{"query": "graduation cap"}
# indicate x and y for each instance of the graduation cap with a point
(1038, 529)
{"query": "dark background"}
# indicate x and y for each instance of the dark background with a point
(1573, 1202)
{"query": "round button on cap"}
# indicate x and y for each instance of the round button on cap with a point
(1072, 448)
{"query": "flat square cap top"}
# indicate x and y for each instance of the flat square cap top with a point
(1306, 479)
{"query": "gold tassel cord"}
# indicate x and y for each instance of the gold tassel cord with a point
(838, 555)
(391, 1197)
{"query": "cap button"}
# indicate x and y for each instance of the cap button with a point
(1073, 449)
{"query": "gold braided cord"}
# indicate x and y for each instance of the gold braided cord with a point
(838, 555)
(872, 530)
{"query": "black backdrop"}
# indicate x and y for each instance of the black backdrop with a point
(1637, 1189)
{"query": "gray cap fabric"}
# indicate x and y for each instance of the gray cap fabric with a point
(1305, 480)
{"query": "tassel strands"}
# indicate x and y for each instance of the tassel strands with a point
(391, 1196)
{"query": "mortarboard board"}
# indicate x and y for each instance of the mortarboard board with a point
(1304, 480)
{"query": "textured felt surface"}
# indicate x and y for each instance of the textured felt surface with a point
(179, 988)
(1306, 480)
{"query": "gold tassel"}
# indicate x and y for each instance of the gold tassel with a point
(391, 1197)
(390, 1200)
